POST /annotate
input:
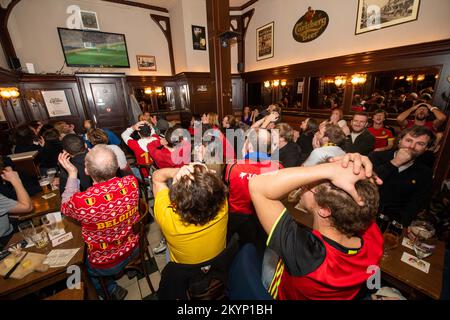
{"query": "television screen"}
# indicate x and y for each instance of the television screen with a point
(84, 48)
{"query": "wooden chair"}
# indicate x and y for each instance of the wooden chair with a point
(139, 262)
(203, 281)
(69, 294)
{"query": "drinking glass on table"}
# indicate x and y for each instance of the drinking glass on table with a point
(44, 183)
(391, 237)
(51, 173)
(422, 235)
(40, 239)
(27, 230)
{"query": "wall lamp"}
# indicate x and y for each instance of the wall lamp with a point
(157, 90)
(7, 93)
(274, 83)
(359, 79)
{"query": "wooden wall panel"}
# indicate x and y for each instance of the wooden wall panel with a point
(107, 101)
(34, 105)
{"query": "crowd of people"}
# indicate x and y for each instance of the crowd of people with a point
(225, 178)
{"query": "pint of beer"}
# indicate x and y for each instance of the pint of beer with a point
(45, 185)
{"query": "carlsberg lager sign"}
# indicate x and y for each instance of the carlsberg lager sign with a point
(311, 25)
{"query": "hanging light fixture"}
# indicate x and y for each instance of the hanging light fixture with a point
(420, 77)
(148, 91)
(359, 79)
(340, 80)
(410, 78)
(8, 93)
(276, 83)
(283, 83)
(266, 84)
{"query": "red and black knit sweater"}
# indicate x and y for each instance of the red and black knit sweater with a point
(107, 212)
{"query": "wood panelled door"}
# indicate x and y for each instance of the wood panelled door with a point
(106, 101)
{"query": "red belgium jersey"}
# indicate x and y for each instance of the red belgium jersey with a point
(237, 175)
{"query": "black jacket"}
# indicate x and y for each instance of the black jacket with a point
(364, 143)
(290, 155)
(402, 194)
(305, 144)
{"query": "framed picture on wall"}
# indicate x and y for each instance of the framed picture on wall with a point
(89, 20)
(264, 42)
(378, 14)
(146, 63)
(199, 38)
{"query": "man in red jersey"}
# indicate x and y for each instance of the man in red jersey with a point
(242, 218)
(421, 113)
(139, 147)
(107, 212)
(330, 261)
(384, 137)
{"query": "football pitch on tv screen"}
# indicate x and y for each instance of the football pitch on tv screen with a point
(106, 55)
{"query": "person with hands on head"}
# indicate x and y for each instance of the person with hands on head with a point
(331, 260)
(192, 213)
(268, 122)
(139, 147)
(421, 113)
(7, 205)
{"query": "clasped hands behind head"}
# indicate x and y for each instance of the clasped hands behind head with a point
(188, 171)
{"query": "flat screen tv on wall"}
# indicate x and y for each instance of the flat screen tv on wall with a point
(83, 48)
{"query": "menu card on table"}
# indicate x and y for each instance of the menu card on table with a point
(415, 262)
(60, 257)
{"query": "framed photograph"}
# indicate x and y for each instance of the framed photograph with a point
(264, 42)
(199, 38)
(378, 14)
(89, 20)
(56, 103)
(146, 63)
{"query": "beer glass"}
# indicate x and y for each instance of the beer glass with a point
(391, 237)
(44, 183)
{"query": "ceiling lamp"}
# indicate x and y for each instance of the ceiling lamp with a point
(283, 83)
(401, 77)
(276, 83)
(7, 93)
(158, 90)
(148, 90)
(409, 78)
(266, 84)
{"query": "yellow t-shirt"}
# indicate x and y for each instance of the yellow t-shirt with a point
(188, 243)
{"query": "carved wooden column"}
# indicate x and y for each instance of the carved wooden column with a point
(241, 25)
(164, 24)
(218, 15)
(5, 39)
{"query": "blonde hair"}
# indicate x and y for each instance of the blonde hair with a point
(286, 131)
(213, 119)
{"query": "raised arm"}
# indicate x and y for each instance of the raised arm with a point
(23, 199)
(440, 117)
(267, 190)
(401, 118)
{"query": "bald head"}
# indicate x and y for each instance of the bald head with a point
(101, 163)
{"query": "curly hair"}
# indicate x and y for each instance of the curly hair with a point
(346, 215)
(198, 202)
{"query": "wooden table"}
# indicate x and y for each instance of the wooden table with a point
(41, 206)
(413, 282)
(14, 289)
